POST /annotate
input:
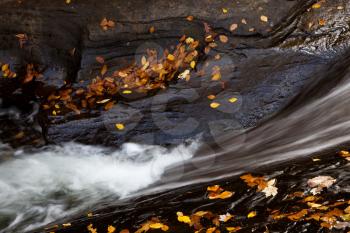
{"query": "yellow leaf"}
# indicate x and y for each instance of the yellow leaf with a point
(252, 214)
(316, 6)
(233, 99)
(216, 76)
(223, 195)
(183, 218)
(214, 105)
(189, 40)
(224, 10)
(119, 126)
(170, 57)
(91, 229)
(165, 228)
(156, 225)
(111, 229)
(104, 69)
(344, 153)
(200, 213)
(193, 64)
(214, 188)
(127, 92)
(211, 230)
(66, 224)
(5, 67)
(233, 229)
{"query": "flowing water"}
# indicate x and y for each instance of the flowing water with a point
(55, 182)
(40, 187)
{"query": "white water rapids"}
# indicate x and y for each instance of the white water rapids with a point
(38, 188)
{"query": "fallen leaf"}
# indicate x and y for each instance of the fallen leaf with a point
(193, 64)
(264, 18)
(252, 214)
(211, 97)
(214, 105)
(320, 182)
(223, 195)
(233, 100)
(104, 70)
(171, 57)
(183, 218)
(316, 6)
(233, 27)
(271, 189)
(297, 216)
(119, 126)
(233, 229)
(111, 229)
(190, 18)
(225, 217)
(91, 229)
(223, 38)
(152, 30)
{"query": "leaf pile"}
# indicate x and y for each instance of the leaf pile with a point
(152, 73)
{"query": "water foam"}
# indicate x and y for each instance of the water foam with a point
(59, 181)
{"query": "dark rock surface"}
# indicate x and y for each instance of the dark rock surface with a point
(264, 65)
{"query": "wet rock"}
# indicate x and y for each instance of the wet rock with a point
(264, 64)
